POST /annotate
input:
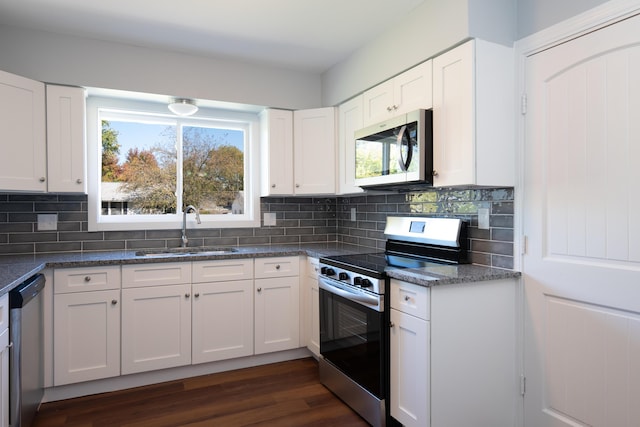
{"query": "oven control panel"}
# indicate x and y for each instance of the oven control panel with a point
(351, 278)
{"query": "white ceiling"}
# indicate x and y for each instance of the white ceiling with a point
(309, 35)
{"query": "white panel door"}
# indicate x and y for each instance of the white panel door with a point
(581, 204)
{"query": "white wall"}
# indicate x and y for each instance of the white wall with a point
(433, 27)
(70, 60)
(536, 15)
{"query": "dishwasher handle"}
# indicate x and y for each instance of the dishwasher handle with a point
(26, 291)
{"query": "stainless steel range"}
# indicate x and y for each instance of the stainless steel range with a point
(354, 324)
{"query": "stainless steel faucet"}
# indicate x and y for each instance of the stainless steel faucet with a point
(186, 210)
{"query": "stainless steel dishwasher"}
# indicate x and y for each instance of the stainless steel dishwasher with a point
(26, 362)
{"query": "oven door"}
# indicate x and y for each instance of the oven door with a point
(352, 337)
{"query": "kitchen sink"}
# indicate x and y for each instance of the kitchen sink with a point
(202, 250)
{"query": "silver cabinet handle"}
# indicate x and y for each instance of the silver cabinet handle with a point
(392, 325)
(407, 298)
(187, 295)
(278, 267)
(259, 289)
(273, 186)
(114, 301)
(197, 295)
(42, 179)
(435, 173)
(87, 278)
(297, 185)
(78, 181)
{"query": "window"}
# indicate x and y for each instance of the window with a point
(146, 165)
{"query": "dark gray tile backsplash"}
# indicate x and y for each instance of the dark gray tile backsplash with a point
(298, 220)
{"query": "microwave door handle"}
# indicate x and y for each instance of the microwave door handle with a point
(404, 163)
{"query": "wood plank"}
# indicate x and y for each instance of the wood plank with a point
(282, 394)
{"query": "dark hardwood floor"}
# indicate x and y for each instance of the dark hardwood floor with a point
(280, 394)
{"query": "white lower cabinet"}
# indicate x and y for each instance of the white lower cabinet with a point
(156, 316)
(87, 336)
(4, 360)
(454, 354)
(86, 324)
(222, 310)
(277, 304)
(409, 358)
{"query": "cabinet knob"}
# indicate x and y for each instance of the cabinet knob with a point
(78, 181)
(395, 107)
(407, 298)
(187, 295)
(197, 295)
(391, 324)
(435, 173)
(87, 278)
(114, 302)
(273, 186)
(41, 179)
(297, 185)
(259, 289)
(278, 267)
(389, 108)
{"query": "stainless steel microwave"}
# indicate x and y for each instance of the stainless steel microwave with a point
(395, 152)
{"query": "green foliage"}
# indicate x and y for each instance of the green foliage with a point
(111, 170)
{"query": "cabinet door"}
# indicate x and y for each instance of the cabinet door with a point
(22, 126)
(4, 378)
(314, 137)
(156, 327)
(87, 336)
(350, 119)
(277, 152)
(454, 150)
(412, 89)
(65, 139)
(378, 103)
(222, 320)
(409, 372)
(277, 311)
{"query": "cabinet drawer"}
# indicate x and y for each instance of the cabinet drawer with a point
(102, 278)
(141, 275)
(411, 299)
(313, 267)
(277, 267)
(222, 270)
(4, 313)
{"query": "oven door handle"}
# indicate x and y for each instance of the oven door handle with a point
(366, 300)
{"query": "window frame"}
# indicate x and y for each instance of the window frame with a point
(98, 222)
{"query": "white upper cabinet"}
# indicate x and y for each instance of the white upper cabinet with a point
(408, 91)
(473, 116)
(298, 151)
(66, 139)
(350, 119)
(314, 151)
(22, 124)
(276, 151)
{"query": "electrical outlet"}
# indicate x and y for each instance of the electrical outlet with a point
(47, 222)
(483, 218)
(269, 219)
(353, 214)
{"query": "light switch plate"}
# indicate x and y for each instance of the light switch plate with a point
(483, 218)
(269, 219)
(47, 222)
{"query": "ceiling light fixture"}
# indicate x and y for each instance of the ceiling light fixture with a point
(183, 107)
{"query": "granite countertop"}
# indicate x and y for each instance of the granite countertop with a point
(15, 269)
